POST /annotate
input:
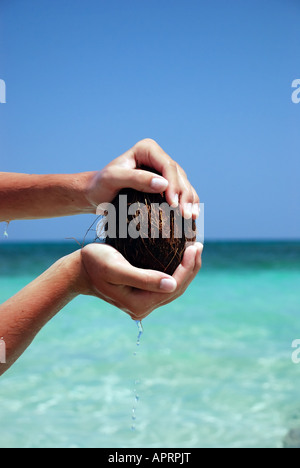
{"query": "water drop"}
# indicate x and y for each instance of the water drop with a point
(137, 381)
(141, 331)
(5, 231)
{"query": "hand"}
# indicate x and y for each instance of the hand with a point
(135, 291)
(123, 173)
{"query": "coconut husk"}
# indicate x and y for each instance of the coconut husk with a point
(163, 234)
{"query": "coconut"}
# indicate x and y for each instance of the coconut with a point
(156, 235)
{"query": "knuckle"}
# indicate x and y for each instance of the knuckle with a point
(147, 280)
(146, 143)
(141, 179)
(191, 195)
(183, 173)
(188, 195)
(172, 171)
(172, 164)
(196, 198)
(149, 141)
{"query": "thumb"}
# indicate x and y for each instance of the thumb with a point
(138, 179)
(147, 280)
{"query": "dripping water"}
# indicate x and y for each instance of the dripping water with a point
(137, 381)
(141, 331)
(5, 231)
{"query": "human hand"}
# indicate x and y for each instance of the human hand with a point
(123, 172)
(135, 291)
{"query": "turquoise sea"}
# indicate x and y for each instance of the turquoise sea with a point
(213, 369)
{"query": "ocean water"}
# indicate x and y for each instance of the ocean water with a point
(213, 369)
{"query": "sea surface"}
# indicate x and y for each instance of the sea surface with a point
(213, 369)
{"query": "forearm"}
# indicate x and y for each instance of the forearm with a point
(24, 196)
(25, 314)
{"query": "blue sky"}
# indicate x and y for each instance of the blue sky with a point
(209, 80)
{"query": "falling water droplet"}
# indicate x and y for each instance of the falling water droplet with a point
(141, 331)
(137, 381)
(5, 231)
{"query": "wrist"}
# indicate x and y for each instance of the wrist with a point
(83, 183)
(97, 188)
(76, 275)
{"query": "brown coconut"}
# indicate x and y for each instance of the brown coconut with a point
(164, 252)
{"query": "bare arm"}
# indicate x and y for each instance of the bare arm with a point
(97, 270)
(23, 315)
(24, 196)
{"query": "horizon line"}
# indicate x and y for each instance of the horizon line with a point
(210, 240)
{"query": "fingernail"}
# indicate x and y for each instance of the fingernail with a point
(188, 210)
(168, 284)
(159, 184)
(175, 201)
(200, 247)
(196, 209)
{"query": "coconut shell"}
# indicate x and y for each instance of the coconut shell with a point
(163, 234)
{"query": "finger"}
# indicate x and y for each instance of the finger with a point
(189, 267)
(144, 181)
(146, 280)
(189, 200)
(149, 153)
(184, 275)
(190, 204)
(116, 270)
(186, 198)
(196, 205)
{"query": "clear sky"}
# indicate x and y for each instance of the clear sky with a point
(209, 80)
